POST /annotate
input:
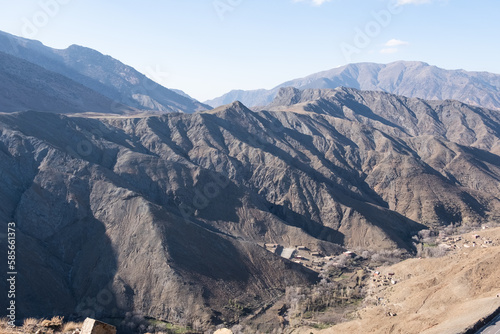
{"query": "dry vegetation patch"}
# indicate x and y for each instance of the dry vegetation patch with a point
(54, 325)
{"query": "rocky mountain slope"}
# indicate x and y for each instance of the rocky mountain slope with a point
(26, 86)
(412, 79)
(167, 212)
(441, 144)
(100, 73)
(94, 222)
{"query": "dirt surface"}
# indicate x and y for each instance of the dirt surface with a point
(434, 295)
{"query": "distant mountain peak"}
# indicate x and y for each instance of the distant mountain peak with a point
(27, 86)
(235, 106)
(102, 74)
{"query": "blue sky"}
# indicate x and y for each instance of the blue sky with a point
(208, 47)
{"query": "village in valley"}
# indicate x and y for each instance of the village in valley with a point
(369, 276)
(317, 260)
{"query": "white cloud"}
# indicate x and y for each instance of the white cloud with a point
(389, 50)
(391, 46)
(314, 2)
(395, 42)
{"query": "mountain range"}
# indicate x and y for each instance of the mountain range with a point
(127, 90)
(131, 198)
(166, 215)
(411, 79)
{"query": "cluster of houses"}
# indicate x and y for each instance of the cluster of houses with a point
(302, 255)
(475, 240)
(378, 283)
(381, 280)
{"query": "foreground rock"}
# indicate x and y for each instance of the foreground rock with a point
(92, 326)
(223, 331)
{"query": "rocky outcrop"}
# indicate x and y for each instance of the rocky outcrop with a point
(92, 326)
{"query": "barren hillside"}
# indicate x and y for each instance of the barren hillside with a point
(169, 213)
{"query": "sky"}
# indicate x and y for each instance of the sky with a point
(209, 47)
